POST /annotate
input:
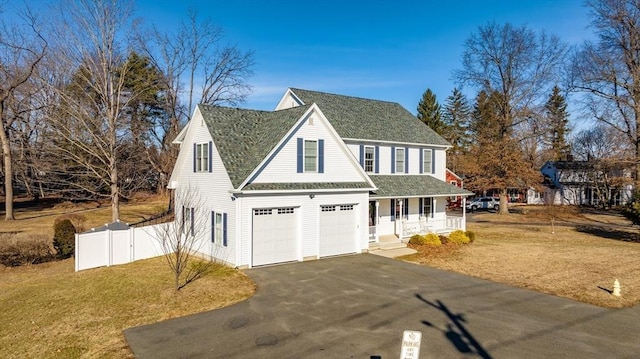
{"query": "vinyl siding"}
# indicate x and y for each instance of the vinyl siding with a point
(206, 191)
(338, 166)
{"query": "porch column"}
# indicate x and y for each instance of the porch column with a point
(400, 218)
(464, 213)
(377, 221)
(433, 213)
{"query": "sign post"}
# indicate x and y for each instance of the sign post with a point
(411, 344)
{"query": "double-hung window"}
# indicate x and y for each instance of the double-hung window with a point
(310, 155)
(188, 223)
(369, 159)
(426, 207)
(427, 166)
(400, 160)
(219, 228)
(202, 157)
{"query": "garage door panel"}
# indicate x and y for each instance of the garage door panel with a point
(274, 235)
(338, 225)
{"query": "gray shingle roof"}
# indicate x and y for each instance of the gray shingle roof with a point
(367, 119)
(245, 137)
(413, 186)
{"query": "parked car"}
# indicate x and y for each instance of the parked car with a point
(484, 203)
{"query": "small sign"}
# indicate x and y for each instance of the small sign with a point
(410, 344)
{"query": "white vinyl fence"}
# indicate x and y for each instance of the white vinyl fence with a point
(112, 247)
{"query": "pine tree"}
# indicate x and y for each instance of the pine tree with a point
(558, 119)
(430, 113)
(455, 115)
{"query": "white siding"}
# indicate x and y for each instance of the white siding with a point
(309, 217)
(206, 191)
(339, 164)
(439, 157)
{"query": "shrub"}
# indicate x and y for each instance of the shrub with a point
(416, 239)
(443, 239)
(471, 235)
(20, 249)
(432, 239)
(458, 237)
(78, 220)
(64, 240)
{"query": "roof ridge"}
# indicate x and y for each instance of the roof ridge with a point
(346, 96)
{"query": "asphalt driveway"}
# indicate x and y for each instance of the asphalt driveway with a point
(359, 306)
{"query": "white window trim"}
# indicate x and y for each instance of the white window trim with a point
(373, 159)
(202, 157)
(398, 170)
(427, 214)
(218, 225)
(304, 155)
(428, 169)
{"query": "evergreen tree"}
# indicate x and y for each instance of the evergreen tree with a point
(558, 119)
(495, 159)
(455, 115)
(430, 113)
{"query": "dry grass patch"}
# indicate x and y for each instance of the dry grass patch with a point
(39, 217)
(580, 260)
(50, 311)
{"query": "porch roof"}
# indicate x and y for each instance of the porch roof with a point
(393, 186)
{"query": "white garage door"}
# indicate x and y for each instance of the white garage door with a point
(337, 230)
(274, 235)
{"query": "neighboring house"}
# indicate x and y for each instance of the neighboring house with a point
(454, 180)
(586, 183)
(321, 175)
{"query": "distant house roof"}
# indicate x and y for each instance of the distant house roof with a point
(113, 226)
(414, 186)
(245, 137)
(366, 119)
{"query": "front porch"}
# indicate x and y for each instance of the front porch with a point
(422, 226)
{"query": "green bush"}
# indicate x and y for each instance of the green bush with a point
(458, 237)
(471, 235)
(64, 239)
(18, 249)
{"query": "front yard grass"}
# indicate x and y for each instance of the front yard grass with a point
(578, 258)
(50, 311)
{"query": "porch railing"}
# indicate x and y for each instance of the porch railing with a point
(432, 225)
(372, 233)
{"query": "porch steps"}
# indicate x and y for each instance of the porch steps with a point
(390, 249)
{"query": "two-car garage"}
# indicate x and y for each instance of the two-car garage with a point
(278, 233)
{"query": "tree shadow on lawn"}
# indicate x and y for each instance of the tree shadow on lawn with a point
(609, 233)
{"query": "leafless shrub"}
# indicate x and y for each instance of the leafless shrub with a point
(18, 249)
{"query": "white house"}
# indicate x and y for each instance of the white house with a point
(321, 175)
(586, 183)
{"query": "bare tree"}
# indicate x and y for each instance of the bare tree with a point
(608, 70)
(517, 67)
(197, 64)
(90, 123)
(22, 48)
(604, 163)
(182, 239)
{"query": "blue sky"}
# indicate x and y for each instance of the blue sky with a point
(387, 50)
